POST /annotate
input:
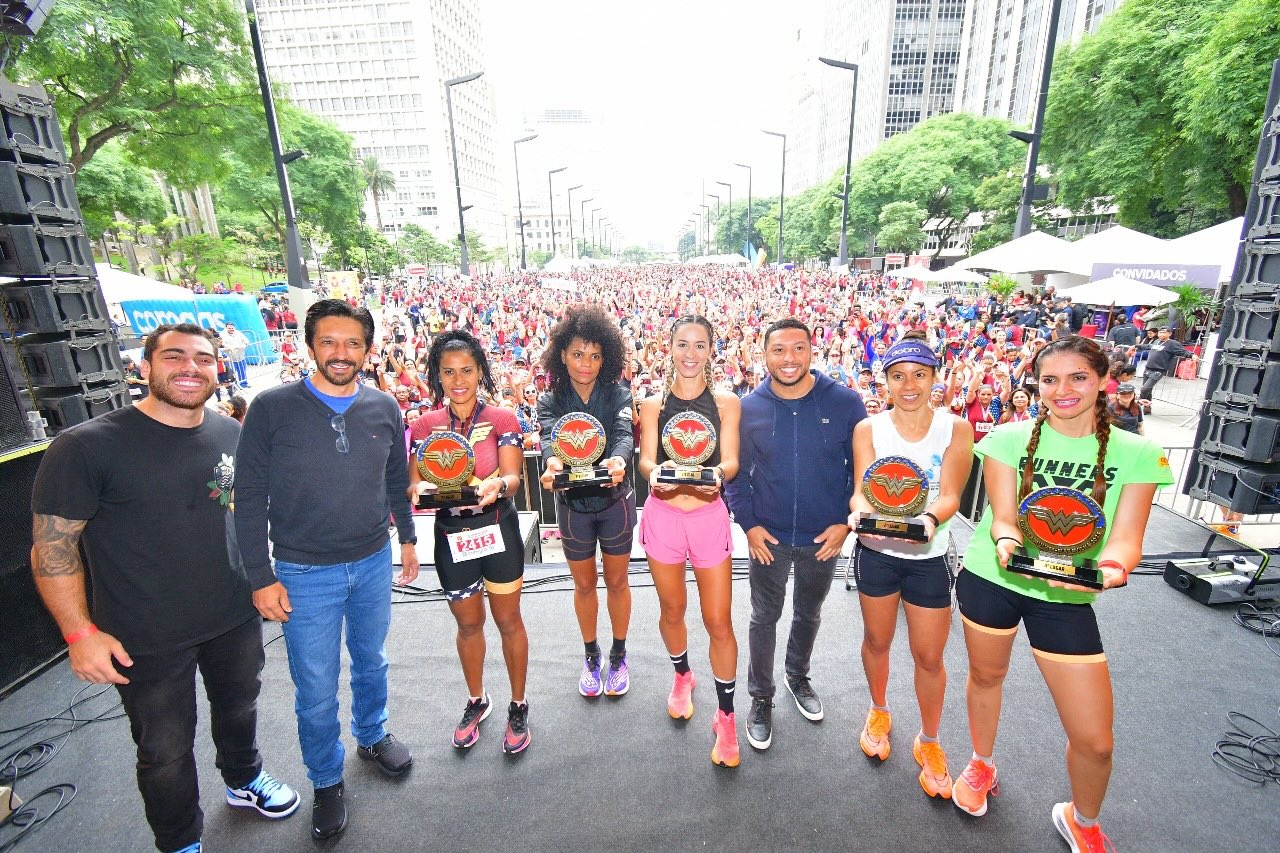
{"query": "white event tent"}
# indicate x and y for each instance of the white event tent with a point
(1036, 252)
(1118, 290)
(120, 286)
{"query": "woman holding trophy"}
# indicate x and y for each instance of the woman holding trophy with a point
(1070, 498)
(910, 465)
(688, 448)
(467, 466)
(587, 443)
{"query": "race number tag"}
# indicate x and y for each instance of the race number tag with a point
(474, 544)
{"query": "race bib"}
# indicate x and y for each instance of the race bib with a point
(473, 544)
(983, 426)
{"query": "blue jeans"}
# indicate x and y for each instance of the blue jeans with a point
(322, 597)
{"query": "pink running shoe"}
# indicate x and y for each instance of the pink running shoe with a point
(680, 702)
(725, 751)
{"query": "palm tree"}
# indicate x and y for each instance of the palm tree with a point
(378, 181)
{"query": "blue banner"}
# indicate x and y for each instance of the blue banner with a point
(212, 311)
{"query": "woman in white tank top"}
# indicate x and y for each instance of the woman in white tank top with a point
(916, 574)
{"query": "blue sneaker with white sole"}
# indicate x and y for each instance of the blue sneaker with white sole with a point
(272, 798)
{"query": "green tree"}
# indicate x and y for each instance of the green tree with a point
(143, 71)
(538, 258)
(1161, 109)
(937, 165)
(900, 226)
(204, 253)
(420, 246)
(998, 198)
(635, 255)
(114, 183)
(686, 246)
(378, 182)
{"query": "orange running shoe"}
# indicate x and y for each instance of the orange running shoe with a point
(680, 702)
(971, 789)
(934, 776)
(875, 734)
(725, 750)
(1082, 839)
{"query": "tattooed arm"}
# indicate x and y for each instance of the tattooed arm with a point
(59, 576)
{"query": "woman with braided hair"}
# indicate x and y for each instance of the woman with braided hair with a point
(1070, 444)
(689, 523)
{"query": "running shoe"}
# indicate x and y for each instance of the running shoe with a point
(618, 680)
(1082, 839)
(518, 736)
(589, 683)
(725, 751)
(760, 722)
(268, 796)
(468, 730)
(971, 789)
(875, 734)
(934, 776)
(680, 702)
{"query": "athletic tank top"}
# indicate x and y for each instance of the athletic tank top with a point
(705, 405)
(927, 453)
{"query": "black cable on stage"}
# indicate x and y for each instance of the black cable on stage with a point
(27, 818)
(1249, 750)
(31, 757)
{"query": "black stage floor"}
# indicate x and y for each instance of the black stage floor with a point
(619, 774)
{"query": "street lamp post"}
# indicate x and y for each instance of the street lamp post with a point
(582, 219)
(573, 250)
(551, 200)
(457, 179)
(843, 258)
(603, 220)
(717, 198)
(524, 265)
(729, 231)
(750, 243)
(1022, 226)
(594, 211)
(296, 274)
(697, 234)
(782, 187)
(706, 227)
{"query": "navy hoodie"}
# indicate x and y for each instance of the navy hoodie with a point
(795, 460)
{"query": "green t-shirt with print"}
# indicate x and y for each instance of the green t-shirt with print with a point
(1069, 463)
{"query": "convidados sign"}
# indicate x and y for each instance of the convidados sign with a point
(1161, 275)
(212, 311)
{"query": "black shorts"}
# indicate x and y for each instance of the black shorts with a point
(1054, 629)
(613, 527)
(924, 583)
(498, 573)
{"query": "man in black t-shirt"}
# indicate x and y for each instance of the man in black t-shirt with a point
(147, 489)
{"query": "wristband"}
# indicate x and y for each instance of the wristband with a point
(936, 522)
(77, 636)
(1012, 539)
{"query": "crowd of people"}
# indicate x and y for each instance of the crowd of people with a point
(804, 381)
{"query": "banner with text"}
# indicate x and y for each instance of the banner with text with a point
(213, 312)
(1161, 275)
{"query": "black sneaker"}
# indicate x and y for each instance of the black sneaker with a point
(518, 736)
(392, 756)
(806, 700)
(760, 723)
(328, 812)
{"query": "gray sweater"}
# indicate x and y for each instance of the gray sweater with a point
(324, 507)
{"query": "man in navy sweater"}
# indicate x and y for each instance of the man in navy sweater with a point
(324, 463)
(793, 485)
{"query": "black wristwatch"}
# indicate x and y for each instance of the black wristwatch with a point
(502, 489)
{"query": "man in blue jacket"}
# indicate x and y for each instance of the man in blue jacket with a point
(790, 498)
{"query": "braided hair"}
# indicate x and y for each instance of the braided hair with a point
(670, 377)
(1097, 361)
(456, 341)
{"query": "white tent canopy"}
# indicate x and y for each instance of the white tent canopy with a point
(1118, 243)
(120, 286)
(732, 260)
(918, 272)
(1216, 244)
(915, 271)
(1118, 290)
(1034, 252)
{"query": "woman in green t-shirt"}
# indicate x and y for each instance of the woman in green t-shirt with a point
(1070, 444)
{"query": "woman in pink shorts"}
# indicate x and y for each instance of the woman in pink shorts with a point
(691, 523)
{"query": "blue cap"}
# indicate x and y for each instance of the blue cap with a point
(912, 350)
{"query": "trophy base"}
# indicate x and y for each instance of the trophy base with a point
(1057, 568)
(448, 498)
(687, 475)
(893, 527)
(580, 477)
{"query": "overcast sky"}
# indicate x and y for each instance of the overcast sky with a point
(679, 90)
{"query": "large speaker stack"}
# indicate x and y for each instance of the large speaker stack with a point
(1238, 461)
(61, 353)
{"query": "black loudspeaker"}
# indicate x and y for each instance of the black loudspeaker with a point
(1238, 440)
(70, 407)
(45, 250)
(34, 308)
(29, 638)
(30, 127)
(14, 429)
(30, 189)
(59, 363)
(24, 17)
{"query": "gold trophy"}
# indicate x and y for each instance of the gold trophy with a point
(1062, 523)
(578, 440)
(446, 462)
(899, 489)
(689, 439)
